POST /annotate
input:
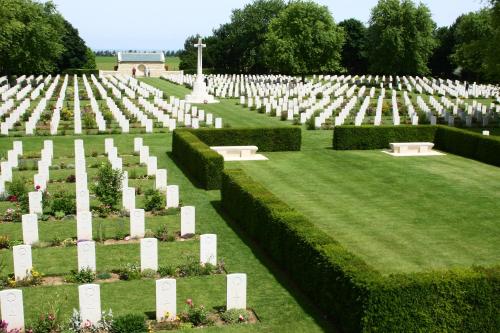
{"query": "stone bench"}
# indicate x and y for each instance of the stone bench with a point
(412, 148)
(239, 153)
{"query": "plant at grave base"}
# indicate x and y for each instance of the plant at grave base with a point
(104, 276)
(13, 214)
(63, 203)
(85, 275)
(193, 268)
(48, 322)
(196, 315)
(120, 230)
(56, 241)
(18, 190)
(130, 323)
(94, 154)
(4, 242)
(235, 316)
(164, 271)
(108, 185)
(88, 119)
(33, 278)
(66, 114)
(71, 179)
(153, 200)
(163, 235)
(129, 272)
(68, 242)
(76, 325)
(149, 274)
(59, 215)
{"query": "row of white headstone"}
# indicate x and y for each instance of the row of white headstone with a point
(11, 162)
(89, 295)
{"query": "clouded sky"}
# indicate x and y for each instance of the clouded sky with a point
(165, 24)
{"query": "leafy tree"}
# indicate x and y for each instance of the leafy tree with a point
(492, 54)
(189, 56)
(30, 37)
(354, 57)
(473, 32)
(400, 38)
(108, 186)
(76, 53)
(304, 39)
(440, 62)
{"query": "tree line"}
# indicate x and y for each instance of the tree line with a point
(36, 39)
(301, 37)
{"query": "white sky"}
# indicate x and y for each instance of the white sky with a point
(165, 24)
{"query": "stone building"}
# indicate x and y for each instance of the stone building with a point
(152, 61)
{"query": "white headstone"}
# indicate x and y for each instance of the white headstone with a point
(151, 165)
(90, 303)
(236, 297)
(84, 226)
(137, 223)
(486, 133)
(137, 144)
(218, 122)
(30, 229)
(6, 169)
(166, 299)
(35, 202)
(82, 201)
(18, 147)
(22, 261)
(188, 220)
(161, 180)
(172, 196)
(108, 144)
(144, 154)
(149, 254)
(11, 306)
(128, 200)
(208, 249)
(86, 255)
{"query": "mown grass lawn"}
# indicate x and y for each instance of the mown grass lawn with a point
(278, 304)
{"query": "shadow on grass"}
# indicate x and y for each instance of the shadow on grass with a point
(327, 324)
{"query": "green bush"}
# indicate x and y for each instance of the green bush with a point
(347, 288)
(130, 323)
(191, 148)
(18, 192)
(108, 186)
(65, 204)
(83, 276)
(153, 200)
(378, 137)
(468, 144)
(202, 163)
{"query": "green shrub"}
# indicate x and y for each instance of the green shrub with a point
(83, 276)
(202, 163)
(378, 137)
(154, 200)
(344, 287)
(18, 191)
(163, 235)
(166, 271)
(468, 144)
(196, 315)
(234, 316)
(4, 242)
(129, 272)
(108, 186)
(65, 204)
(130, 323)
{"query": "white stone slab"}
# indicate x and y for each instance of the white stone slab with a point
(236, 293)
(90, 303)
(208, 249)
(128, 199)
(161, 180)
(35, 202)
(137, 223)
(149, 254)
(84, 226)
(137, 144)
(22, 261)
(166, 299)
(144, 154)
(151, 165)
(188, 220)
(30, 229)
(86, 255)
(11, 306)
(172, 196)
(82, 201)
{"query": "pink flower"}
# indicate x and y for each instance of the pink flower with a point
(127, 238)
(189, 302)
(87, 324)
(240, 318)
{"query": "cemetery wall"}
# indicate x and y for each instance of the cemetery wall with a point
(347, 288)
(191, 148)
(379, 137)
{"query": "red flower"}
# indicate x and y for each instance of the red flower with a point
(12, 198)
(37, 187)
(240, 318)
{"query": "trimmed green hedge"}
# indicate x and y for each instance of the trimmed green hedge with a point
(81, 71)
(378, 137)
(201, 162)
(191, 148)
(347, 288)
(468, 144)
(267, 139)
